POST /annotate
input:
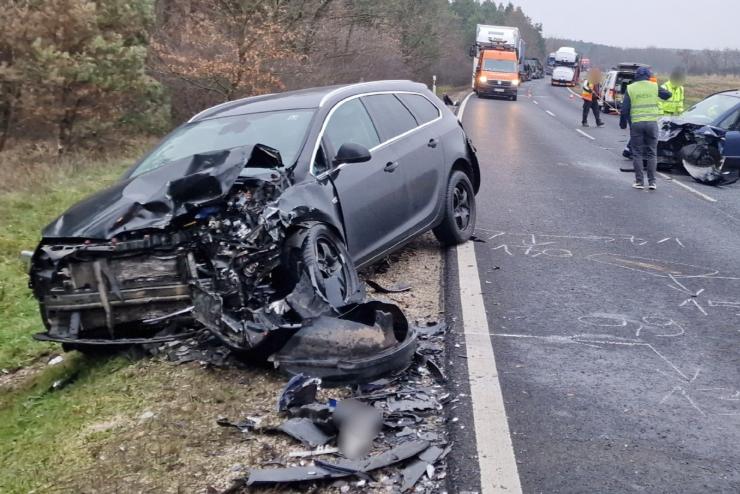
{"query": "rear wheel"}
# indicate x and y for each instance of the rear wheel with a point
(458, 223)
(513, 98)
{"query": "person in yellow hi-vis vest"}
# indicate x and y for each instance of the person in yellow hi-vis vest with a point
(641, 111)
(674, 105)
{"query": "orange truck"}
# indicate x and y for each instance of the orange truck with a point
(498, 56)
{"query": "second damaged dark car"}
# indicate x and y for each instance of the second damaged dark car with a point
(705, 139)
(249, 221)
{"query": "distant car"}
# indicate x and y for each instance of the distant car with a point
(615, 86)
(221, 222)
(705, 139)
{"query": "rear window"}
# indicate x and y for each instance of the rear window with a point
(391, 117)
(422, 108)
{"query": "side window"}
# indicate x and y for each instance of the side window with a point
(423, 109)
(391, 117)
(320, 164)
(351, 123)
(731, 122)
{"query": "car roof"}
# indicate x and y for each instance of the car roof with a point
(303, 98)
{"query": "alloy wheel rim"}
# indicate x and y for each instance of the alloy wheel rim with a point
(461, 207)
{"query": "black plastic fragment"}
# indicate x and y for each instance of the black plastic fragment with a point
(300, 390)
(305, 431)
(412, 473)
(338, 469)
(400, 288)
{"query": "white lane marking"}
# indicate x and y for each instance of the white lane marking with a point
(688, 187)
(462, 107)
(535, 102)
(585, 135)
(498, 470)
(550, 113)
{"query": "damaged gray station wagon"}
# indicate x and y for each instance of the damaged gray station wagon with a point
(250, 220)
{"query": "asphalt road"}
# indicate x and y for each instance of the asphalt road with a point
(614, 314)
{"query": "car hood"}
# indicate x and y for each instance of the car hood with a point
(672, 127)
(154, 199)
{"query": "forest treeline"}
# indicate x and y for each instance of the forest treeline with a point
(696, 62)
(83, 72)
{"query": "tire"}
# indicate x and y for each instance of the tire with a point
(513, 98)
(325, 257)
(458, 229)
(605, 108)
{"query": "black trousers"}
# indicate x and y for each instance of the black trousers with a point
(592, 105)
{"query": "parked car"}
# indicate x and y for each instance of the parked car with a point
(615, 86)
(705, 139)
(253, 216)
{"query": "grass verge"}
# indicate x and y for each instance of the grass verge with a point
(23, 213)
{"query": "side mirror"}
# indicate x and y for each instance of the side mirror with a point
(352, 153)
(473, 51)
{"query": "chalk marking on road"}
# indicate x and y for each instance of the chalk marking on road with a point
(461, 111)
(550, 113)
(688, 187)
(585, 135)
(535, 102)
(497, 463)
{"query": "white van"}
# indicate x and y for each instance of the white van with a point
(615, 85)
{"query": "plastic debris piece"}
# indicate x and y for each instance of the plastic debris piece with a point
(305, 431)
(432, 329)
(436, 371)
(412, 473)
(338, 469)
(300, 390)
(246, 425)
(399, 288)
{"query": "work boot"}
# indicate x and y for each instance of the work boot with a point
(584, 124)
(638, 185)
(600, 124)
(652, 186)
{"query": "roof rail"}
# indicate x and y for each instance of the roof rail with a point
(333, 92)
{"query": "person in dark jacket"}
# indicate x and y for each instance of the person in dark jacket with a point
(641, 111)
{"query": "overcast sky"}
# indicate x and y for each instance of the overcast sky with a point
(640, 23)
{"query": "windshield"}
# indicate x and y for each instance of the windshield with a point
(282, 130)
(492, 65)
(709, 110)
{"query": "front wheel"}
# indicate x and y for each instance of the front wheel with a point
(458, 223)
(326, 260)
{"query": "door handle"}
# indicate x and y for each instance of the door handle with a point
(432, 143)
(390, 166)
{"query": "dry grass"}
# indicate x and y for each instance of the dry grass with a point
(26, 165)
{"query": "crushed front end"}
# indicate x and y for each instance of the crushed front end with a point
(139, 286)
(699, 149)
